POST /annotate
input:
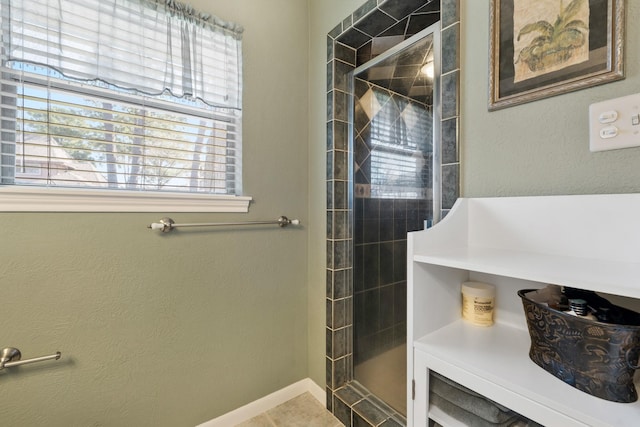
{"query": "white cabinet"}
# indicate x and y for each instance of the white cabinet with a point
(587, 241)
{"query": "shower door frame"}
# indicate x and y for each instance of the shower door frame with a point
(437, 147)
(434, 30)
(345, 398)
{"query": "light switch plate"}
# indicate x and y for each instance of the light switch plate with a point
(615, 123)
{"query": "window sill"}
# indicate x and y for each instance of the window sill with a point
(21, 199)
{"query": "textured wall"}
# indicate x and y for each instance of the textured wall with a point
(541, 147)
(172, 330)
(175, 330)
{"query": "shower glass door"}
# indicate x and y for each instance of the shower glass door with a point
(395, 147)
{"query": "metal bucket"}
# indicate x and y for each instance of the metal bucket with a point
(594, 357)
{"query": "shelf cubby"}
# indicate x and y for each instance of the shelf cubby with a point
(589, 242)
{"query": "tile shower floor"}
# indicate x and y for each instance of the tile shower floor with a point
(301, 411)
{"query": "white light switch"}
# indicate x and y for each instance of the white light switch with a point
(608, 117)
(615, 123)
(608, 132)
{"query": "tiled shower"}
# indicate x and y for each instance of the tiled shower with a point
(393, 147)
(367, 217)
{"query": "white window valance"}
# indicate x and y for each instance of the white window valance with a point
(146, 46)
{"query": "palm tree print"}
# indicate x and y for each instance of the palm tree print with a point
(556, 42)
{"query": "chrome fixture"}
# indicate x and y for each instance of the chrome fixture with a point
(167, 224)
(10, 357)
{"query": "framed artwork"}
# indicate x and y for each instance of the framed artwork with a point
(543, 48)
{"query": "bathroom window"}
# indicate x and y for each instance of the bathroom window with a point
(135, 100)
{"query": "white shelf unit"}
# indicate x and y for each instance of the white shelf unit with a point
(587, 241)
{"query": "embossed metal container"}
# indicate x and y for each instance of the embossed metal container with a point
(594, 357)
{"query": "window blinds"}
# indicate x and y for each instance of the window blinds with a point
(148, 46)
(120, 94)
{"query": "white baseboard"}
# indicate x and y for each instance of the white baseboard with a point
(263, 404)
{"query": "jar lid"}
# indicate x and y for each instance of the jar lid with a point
(478, 289)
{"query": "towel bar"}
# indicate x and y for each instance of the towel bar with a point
(10, 357)
(167, 224)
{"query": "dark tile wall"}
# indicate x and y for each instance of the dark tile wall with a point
(381, 220)
(345, 43)
(393, 144)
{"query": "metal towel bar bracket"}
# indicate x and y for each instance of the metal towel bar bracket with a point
(10, 357)
(167, 224)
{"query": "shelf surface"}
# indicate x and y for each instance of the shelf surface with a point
(438, 415)
(500, 355)
(615, 277)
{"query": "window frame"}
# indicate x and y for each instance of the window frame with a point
(27, 198)
(16, 198)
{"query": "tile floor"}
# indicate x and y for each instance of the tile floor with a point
(301, 411)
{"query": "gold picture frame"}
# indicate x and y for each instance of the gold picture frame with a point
(543, 48)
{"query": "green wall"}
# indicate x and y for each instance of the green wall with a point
(172, 330)
(541, 147)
